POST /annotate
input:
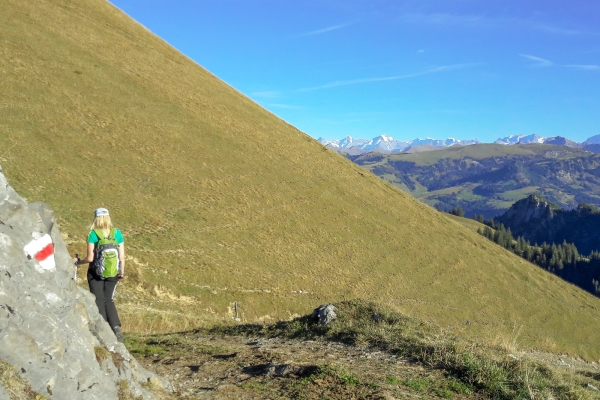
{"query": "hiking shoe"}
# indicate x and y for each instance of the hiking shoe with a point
(119, 334)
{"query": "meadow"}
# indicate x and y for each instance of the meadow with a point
(221, 202)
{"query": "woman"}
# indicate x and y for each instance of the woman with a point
(103, 286)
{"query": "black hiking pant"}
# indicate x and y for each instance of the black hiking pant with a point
(104, 290)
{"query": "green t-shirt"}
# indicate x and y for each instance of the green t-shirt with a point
(93, 238)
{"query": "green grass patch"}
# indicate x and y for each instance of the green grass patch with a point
(172, 344)
(330, 381)
(416, 384)
(256, 385)
(499, 204)
(463, 193)
(475, 152)
(420, 190)
(518, 194)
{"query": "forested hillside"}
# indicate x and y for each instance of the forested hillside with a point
(562, 259)
(539, 220)
(488, 178)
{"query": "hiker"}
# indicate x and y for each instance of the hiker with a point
(106, 259)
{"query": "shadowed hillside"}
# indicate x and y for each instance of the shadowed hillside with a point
(97, 111)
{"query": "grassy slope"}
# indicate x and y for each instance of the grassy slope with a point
(221, 201)
(468, 223)
(485, 150)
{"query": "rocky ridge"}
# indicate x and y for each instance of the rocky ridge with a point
(532, 209)
(538, 220)
(51, 332)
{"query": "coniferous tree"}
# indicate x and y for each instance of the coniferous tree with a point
(497, 236)
(550, 256)
(528, 253)
(596, 285)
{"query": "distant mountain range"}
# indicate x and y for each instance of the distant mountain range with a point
(488, 178)
(387, 144)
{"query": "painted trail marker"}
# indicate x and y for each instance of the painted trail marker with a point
(42, 250)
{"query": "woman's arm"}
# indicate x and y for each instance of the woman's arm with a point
(121, 260)
(88, 258)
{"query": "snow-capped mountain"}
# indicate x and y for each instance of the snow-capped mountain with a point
(535, 138)
(387, 144)
(512, 139)
(442, 143)
(348, 142)
(520, 139)
(380, 143)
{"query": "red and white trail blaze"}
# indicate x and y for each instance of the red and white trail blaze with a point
(42, 250)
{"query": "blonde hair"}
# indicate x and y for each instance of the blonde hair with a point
(103, 223)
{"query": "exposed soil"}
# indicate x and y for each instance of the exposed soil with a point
(233, 367)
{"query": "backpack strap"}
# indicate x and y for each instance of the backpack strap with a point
(99, 234)
(111, 234)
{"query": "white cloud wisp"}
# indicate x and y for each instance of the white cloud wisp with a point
(542, 62)
(389, 78)
(324, 30)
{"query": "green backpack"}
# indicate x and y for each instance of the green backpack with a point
(106, 258)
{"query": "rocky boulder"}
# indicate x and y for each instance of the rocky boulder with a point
(325, 313)
(51, 333)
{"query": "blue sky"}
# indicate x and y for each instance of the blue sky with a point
(406, 69)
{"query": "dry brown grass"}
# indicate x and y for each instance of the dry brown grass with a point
(222, 202)
(125, 394)
(15, 385)
(468, 223)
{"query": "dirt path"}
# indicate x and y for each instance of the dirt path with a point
(233, 367)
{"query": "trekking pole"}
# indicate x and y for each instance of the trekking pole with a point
(76, 266)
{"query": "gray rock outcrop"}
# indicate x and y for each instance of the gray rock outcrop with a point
(532, 209)
(50, 329)
(325, 313)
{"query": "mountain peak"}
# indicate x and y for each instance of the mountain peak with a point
(532, 209)
(593, 140)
